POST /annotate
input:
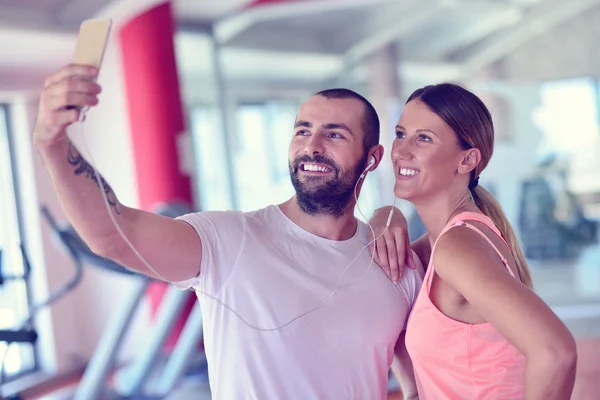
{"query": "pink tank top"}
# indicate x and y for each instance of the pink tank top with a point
(457, 360)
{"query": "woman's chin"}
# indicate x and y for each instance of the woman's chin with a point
(403, 193)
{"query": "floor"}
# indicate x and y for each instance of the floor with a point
(569, 282)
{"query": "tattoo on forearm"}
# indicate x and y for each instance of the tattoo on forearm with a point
(83, 167)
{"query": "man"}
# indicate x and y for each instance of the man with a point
(293, 309)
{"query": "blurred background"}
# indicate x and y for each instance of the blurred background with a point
(198, 103)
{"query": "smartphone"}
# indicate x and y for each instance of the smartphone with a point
(91, 42)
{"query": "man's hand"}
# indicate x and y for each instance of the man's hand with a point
(171, 247)
(392, 248)
(64, 94)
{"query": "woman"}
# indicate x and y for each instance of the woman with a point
(477, 330)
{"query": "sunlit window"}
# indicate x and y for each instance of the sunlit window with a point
(18, 358)
(568, 117)
(259, 157)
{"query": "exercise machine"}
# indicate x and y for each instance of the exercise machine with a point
(25, 332)
(143, 378)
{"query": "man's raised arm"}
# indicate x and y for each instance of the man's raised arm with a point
(170, 246)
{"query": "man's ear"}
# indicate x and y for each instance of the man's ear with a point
(470, 160)
(377, 153)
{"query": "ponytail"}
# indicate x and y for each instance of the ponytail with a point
(490, 207)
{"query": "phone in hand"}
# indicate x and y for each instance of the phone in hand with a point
(91, 43)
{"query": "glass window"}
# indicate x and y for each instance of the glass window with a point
(19, 358)
(259, 156)
(213, 189)
(561, 202)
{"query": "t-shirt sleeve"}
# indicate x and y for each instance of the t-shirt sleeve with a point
(222, 237)
(411, 283)
(417, 282)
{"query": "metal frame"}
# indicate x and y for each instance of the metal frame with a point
(180, 357)
(135, 380)
(226, 118)
(94, 378)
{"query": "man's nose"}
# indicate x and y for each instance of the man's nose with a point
(314, 146)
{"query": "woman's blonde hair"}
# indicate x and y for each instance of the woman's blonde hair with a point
(472, 122)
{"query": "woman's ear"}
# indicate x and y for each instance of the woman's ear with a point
(470, 161)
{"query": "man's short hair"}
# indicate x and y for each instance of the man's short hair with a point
(370, 122)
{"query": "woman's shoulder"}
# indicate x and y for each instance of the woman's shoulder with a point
(461, 247)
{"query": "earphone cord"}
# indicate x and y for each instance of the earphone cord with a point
(157, 274)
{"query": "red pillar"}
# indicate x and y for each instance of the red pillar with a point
(156, 119)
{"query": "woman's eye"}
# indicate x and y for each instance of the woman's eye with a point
(400, 135)
(424, 138)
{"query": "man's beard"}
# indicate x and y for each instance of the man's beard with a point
(324, 195)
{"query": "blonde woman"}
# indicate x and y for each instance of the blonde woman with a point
(477, 329)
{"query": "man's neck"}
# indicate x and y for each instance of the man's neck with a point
(325, 226)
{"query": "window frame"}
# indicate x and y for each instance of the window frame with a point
(596, 84)
(6, 110)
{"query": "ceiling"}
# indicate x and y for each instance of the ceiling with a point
(61, 15)
(320, 39)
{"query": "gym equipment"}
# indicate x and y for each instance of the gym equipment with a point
(18, 336)
(25, 333)
(26, 268)
(133, 381)
(545, 237)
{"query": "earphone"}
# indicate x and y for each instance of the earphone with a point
(147, 264)
(371, 163)
(389, 220)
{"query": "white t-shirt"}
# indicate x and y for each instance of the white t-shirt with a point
(270, 270)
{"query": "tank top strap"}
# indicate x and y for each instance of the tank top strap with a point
(460, 220)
